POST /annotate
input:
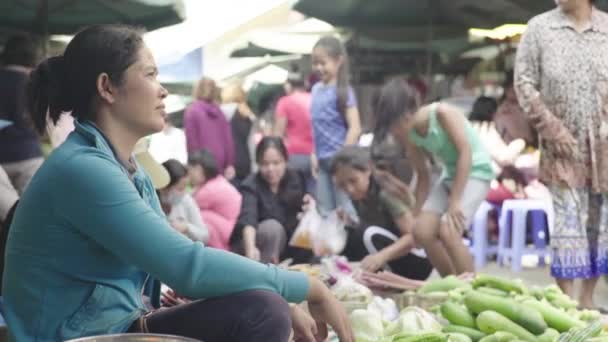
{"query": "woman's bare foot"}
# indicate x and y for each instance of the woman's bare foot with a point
(586, 297)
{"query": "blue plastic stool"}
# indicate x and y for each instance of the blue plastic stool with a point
(480, 248)
(512, 226)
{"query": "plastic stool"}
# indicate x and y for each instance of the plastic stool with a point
(512, 226)
(480, 248)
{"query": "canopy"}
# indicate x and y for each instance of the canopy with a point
(444, 14)
(69, 16)
(270, 74)
(296, 39)
(410, 20)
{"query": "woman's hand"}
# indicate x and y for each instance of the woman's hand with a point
(179, 225)
(314, 166)
(230, 172)
(169, 299)
(373, 262)
(345, 217)
(308, 203)
(246, 111)
(253, 253)
(251, 250)
(394, 186)
(305, 328)
(326, 309)
(565, 146)
(454, 217)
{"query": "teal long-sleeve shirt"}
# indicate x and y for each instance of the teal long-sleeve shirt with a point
(85, 237)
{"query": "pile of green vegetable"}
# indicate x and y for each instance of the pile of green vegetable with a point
(493, 309)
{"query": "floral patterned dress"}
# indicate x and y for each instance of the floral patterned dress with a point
(561, 79)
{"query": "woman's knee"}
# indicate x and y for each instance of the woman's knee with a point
(448, 234)
(269, 227)
(270, 230)
(269, 316)
(426, 228)
(271, 240)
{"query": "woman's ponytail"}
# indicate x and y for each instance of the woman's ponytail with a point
(68, 83)
(46, 92)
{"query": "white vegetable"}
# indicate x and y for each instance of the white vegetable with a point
(386, 308)
(348, 290)
(367, 325)
(413, 320)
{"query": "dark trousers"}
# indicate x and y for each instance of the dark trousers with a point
(410, 266)
(255, 315)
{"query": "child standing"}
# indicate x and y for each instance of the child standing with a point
(443, 132)
(335, 119)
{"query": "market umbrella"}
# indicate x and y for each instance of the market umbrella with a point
(298, 38)
(408, 20)
(253, 50)
(416, 13)
(415, 20)
(47, 17)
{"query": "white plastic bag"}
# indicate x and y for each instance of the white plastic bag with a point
(330, 237)
(305, 232)
(325, 236)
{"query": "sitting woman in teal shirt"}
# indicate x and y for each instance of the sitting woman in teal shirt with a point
(441, 132)
(89, 231)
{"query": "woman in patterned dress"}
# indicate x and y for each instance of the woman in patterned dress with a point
(561, 79)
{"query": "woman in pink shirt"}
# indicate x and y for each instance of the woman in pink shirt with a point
(293, 124)
(218, 200)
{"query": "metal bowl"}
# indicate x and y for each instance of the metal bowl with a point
(134, 338)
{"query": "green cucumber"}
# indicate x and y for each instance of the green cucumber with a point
(489, 338)
(492, 291)
(537, 292)
(499, 283)
(499, 336)
(401, 335)
(561, 300)
(457, 315)
(527, 317)
(458, 337)
(490, 322)
(474, 334)
(555, 318)
(550, 335)
(504, 336)
(427, 337)
(443, 285)
(590, 315)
